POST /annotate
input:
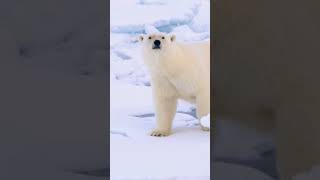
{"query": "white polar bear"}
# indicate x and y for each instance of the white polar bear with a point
(178, 71)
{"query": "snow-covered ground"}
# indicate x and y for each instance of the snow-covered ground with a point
(186, 153)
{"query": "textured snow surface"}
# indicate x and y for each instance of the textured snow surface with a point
(135, 154)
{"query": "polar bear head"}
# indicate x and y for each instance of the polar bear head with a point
(157, 42)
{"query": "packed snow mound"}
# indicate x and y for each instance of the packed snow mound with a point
(185, 33)
(205, 121)
(149, 29)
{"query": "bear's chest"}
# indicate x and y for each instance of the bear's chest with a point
(186, 88)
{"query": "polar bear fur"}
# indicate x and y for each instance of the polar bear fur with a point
(178, 71)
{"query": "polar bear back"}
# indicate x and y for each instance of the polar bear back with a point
(197, 51)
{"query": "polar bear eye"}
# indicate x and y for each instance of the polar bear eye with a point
(162, 37)
(149, 37)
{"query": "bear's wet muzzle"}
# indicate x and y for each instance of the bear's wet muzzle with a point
(156, 44)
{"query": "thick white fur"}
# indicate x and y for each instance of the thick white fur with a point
(178, 71)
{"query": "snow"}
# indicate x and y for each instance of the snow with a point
(149, 29)
(205, 121)
(201, 22)
(185, 154)
(162, 15)
(135, 154)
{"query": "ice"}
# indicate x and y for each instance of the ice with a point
(149, 29)
(138, 14)
(201, 22)
(152, 2)
(185, 33)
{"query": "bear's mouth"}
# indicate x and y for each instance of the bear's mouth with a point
(156, 47)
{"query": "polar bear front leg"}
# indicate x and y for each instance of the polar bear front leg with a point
(165, 101)
(203, 107)
(165, 112)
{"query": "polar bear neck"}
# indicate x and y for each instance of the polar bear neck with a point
(171, 54)
(168, 61)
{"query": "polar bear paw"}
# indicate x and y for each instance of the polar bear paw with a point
(204, 128)
(160, 133)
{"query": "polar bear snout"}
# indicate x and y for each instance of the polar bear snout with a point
(156, 44)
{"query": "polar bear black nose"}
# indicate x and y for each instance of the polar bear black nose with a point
(157, 43)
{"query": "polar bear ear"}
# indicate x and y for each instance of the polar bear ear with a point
(172, 37)
(140, 38)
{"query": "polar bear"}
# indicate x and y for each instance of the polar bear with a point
(178, 71)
